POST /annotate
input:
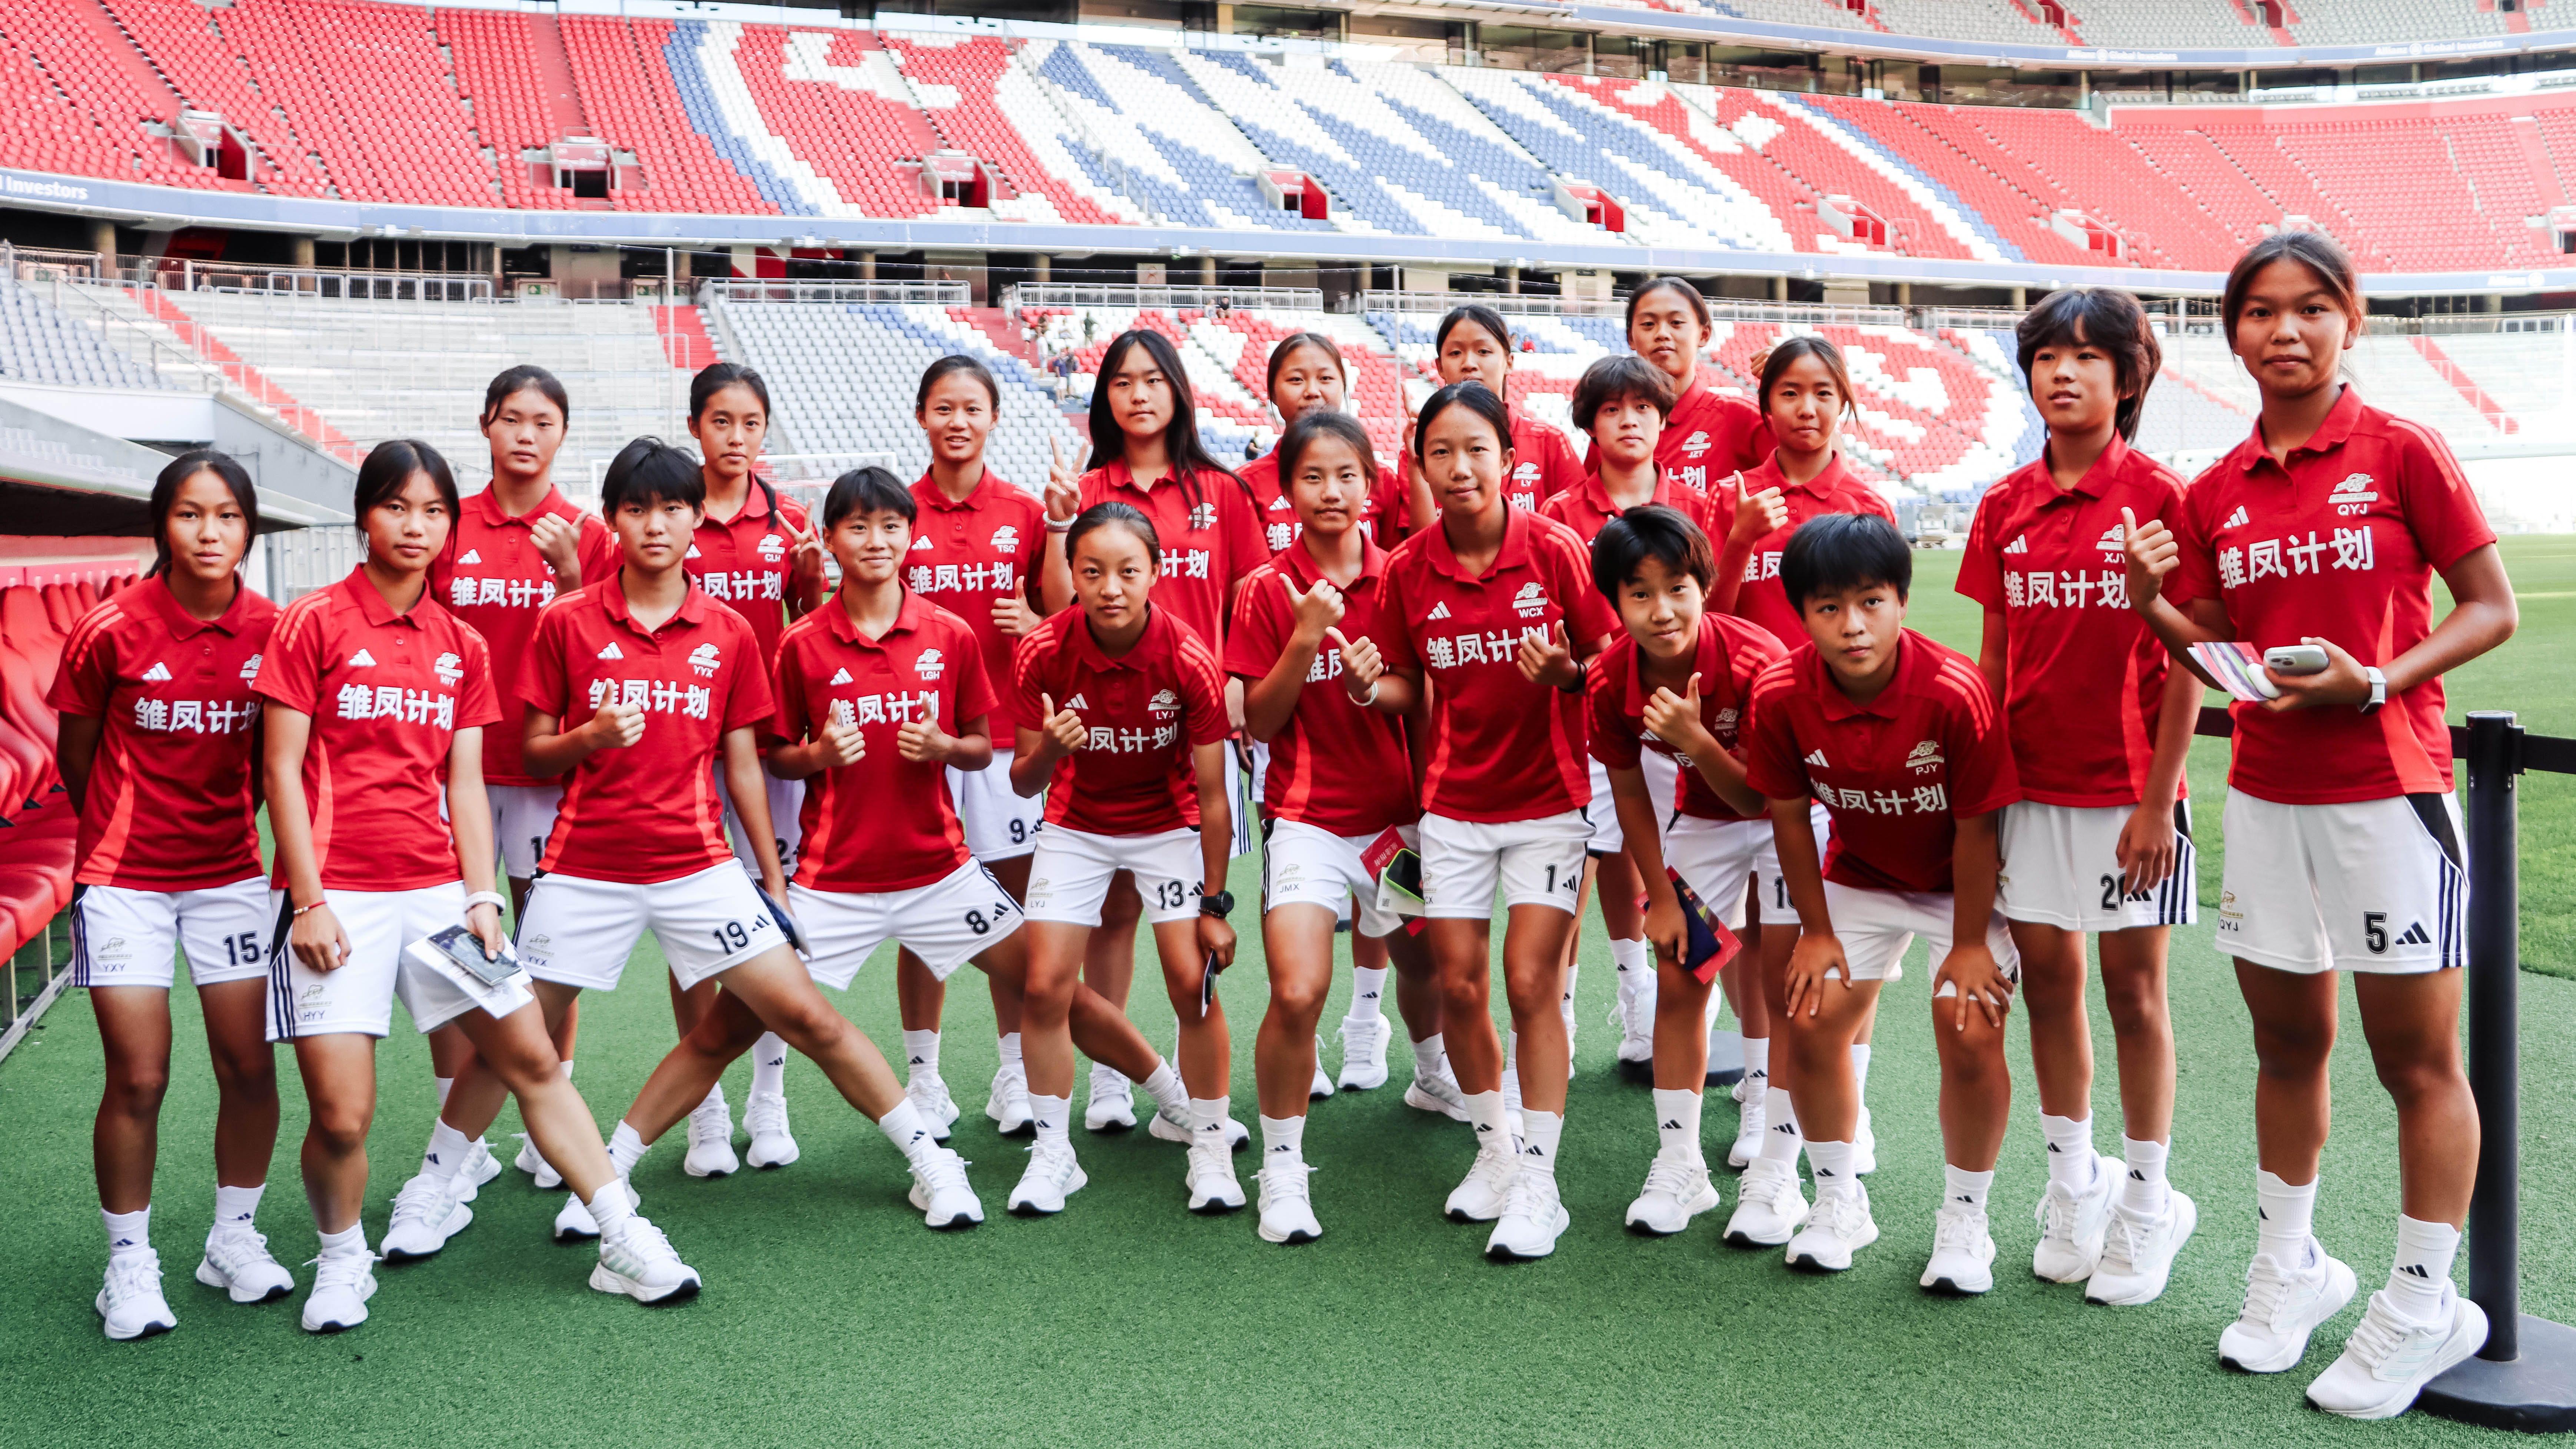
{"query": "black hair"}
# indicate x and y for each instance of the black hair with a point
(1288, 345)
(521, 378)
(1123, 515)
(714, 378)
(1650, 531)
(2108, 320)
(1690, 296)
(1471, 395)
(867, 490)
(165, 497)
(389, 467)
(1618, 376)
(1188, 452)
(2314, 250)
(1312, 428)
(1832, 552)
(952, 364)
(1479, 314)
(1775, 360)
(649, 471)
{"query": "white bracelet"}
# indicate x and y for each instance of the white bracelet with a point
(1368, 699)
(494, 899)
(1054, 526)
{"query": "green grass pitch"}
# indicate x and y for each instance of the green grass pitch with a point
(832, 1317)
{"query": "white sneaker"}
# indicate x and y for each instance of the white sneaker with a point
(1436, 1094)
(1051, 1176)
(1322, 1086)
(1963, 1253)
(765, 1118)
(1737, 1091)
(1210, 1174)
(2282, 1307)
(930, 1098)
(342, 1284)
(534, 1164)
(240, 1264)
(2071, 1225)
(1480, 1197)
(1112, 1107)
(426, 1214)
(1633, 1017)
(1170, 1124)
(940, 1190)
(2390, 1357)
(2137, 1258)
(1364, 1053)
(1750, 1130)
(130, 1304)
(1769, 1206)
(1677, 1189)
(1533, 1215)
(637, 1260)
(1864, 1147)
(1838, 1226)
(480, 1167)
(711, 1140)
(575, 1222)
(1287, 1208)
(1008, 1106)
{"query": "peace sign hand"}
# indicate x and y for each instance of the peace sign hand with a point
(1064, 483)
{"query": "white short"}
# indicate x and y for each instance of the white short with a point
(523, 816)
(1663, 784)
(1307, 865)
(1534, 862)
(1776, 905)
(124, 937)
(1875, 927)
(1607, 836)
(579, 932)
(1001, 824)
(359, 995)
(1716, 858)
(2062, 868)
(946, 923)
(1069, 876)
(786, 821)
(2372, 885)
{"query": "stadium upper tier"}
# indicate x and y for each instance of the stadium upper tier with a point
(417, 106)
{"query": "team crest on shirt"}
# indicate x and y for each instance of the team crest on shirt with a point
(250, 668)
(772, 548)
(471, 557)
(2352, 496)
(1926, 755)
(923, 544)
(1696, 444)
(929, 664)
(703, 660)
(157, 674)
(1725, 719)
(1006, 539)
(1202, 517)
(1525, 473)
(1531, 601)
(2113, 546)
(1164, 702)
(449, 668)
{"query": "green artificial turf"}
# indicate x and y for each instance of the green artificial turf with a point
(832, 1317)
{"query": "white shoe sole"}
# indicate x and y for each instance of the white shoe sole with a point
(1022, 1207)
(2468, 1335)
(608, 1280)
(1746, 1238)
(965, 1217)
(334, 1325)
(727, 1167)
(1975, 1280)
(1644, 1226)
(2340, 1286)
(1298, 1234)
(457, 1222)
(1423, 1101)
(772, 1159)
(150, 1328)
(2134, 1292)
(1808, 1262)
(212, 1277)
(1499, 1251)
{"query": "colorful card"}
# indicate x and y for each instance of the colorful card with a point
(2238, 668)
(1710, 945)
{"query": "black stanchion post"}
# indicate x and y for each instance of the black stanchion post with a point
(2525, 1377)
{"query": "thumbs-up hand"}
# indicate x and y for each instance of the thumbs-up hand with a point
(1362, 666)
(1675, 719)
(1063, 728)
(2152, 553)
(1549, 659)
(1757, 515)
(1315, 610)
(843, 742)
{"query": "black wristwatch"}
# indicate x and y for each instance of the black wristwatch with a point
(1217, 903)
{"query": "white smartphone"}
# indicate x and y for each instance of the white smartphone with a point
(2295, 659)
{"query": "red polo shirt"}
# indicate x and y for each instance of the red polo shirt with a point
(1337, 766)
(2054, 566)
(491, 576)
(747, 563)
(1543, 463)
(1764, 599)
(387, 693)
(1731, 654)
(885, 823)
(1587, 507)
(651, 811)
(2342, 544)
(1278, 515)
(1208, 545)
(170, 805)
(1898, 773)
(1501, 747)
(970, 552)
(1146, 711)
(1710, 436)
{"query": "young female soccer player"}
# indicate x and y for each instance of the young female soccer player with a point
(1339, 779)
(1711, 434)
(756, 553)
(977, 550)
(515, 547)
(2099, 840)
(1473, 344)
(2325, 528)
(1899, 737)
(638, 688)
(1493, 613)
(374, 692)
(1130, 748)
(1676, 683)
(156, 750)
(1146, 453)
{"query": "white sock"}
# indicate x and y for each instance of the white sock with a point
(236, 1209)
(1164, 1086)
(1539, 1134)
(567, 1069)
(1011, 1055)
(2423, 1268)
(1860, 1069)
(920, 1056)
(1485, 1114)
(1428, 1054)
(1676, 1123)
(2070, 1150)
(611, 1207)
(626, 1148)
(904, 1128)
(1757, 1068)
(1832, 1164)
(349, 1242)
(1511, 1054)
(128, 1232)
(2286, 1217)
(769, 1066)
(1283, 1139)
(1565, 1002)
(447, 1150)
(1049, 1113)
(1368, 993)
(715, 1098)
(1636, 967)
(445, 1086)
(1780, 1137)
(1968, 1189)
(2142, 1190)
(1209, 1114)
